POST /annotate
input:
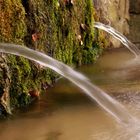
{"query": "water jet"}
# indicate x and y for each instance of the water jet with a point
(104, 100)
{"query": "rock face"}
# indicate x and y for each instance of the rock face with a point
(114, 13)
(123, 15)
(58, 28)
(135, 6)
(135, 21)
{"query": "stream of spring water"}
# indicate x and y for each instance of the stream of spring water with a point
(109, 104)
(132, 47)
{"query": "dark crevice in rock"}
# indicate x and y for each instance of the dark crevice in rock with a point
(25, 5)
(134, 13)
(134, 6)
(134, 22)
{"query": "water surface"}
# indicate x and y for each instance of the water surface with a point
(65, 113)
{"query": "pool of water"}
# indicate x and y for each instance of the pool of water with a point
(65, 113)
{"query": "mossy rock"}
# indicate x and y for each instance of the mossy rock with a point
(56, 27)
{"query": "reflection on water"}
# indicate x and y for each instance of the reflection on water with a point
(66, 114)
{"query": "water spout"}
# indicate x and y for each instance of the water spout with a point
(113, 107)
(132, 47)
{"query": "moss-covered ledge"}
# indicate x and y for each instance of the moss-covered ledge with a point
(63, 29)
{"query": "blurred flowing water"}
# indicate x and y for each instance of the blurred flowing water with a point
(113, 107)
(132, 47)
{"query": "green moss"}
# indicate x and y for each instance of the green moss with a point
(20, 75)
(58, 25)
(52, 27)
(12, 27)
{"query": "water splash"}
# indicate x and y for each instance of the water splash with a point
(104, 100)
(132, 47)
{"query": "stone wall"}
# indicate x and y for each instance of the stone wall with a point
(123, 15)
(114, 13)
(134, 35)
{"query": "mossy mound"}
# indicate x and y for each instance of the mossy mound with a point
(63, 29)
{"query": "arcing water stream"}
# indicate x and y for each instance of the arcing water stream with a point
(132, 47)
(104, 100)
